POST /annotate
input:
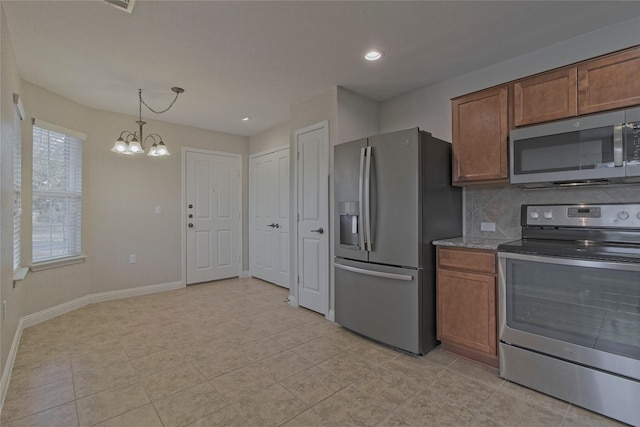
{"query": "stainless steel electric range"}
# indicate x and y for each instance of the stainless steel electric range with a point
(569, 306)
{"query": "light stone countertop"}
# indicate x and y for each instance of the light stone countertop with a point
(472, 242)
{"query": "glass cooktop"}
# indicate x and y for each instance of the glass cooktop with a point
(574, 249)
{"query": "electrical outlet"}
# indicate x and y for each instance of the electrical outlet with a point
(132, 259)
(487, 226)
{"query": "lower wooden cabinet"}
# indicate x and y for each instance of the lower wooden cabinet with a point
(467, 303)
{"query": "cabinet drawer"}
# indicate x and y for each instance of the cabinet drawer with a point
(479, 261)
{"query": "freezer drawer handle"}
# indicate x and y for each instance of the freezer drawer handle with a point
(404, 277)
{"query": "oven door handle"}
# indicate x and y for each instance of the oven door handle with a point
(583, 262)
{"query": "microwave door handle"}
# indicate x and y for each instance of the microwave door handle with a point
(360, 199)
(617, 145)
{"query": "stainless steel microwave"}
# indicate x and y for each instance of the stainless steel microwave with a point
(593, 149)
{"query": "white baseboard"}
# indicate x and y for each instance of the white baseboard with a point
(8, 367)
(331, 316)
(134, 292)
(244, 274)
(50, 313)
(293, 300)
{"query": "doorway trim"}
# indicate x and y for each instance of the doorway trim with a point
(293, 287)
(183, 202)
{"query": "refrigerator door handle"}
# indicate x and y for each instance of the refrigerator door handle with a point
(360, 199)
(403, 277)
(367, 202)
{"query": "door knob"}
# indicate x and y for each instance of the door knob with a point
(190, 206)
(276, 225)
(190, 225)
(319, 231)
(271, 225)
(190, 215)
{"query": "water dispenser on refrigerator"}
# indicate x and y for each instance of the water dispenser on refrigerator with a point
(349, 225)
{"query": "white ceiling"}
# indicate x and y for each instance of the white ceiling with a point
(245, 58)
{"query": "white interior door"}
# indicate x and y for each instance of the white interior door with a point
(269, 217)
(313, 234)
(212, 216)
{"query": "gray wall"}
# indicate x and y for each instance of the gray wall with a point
(9, 84)
(119, 196)
(277, 136)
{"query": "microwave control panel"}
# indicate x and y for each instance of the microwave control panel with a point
(616, 215)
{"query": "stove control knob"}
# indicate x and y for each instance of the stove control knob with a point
(536, 215)
(548, 214)
(623, 215)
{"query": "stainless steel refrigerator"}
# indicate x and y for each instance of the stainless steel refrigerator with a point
(393, 197)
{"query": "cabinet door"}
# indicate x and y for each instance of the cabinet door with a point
(549, 96)
(609, 82)
(480, 131)
(467, 310)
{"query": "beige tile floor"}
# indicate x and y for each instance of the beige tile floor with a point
(234, 353)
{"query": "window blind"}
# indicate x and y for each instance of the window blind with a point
(57, 192)
(17, 188)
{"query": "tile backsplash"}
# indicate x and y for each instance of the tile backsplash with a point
(500, 204)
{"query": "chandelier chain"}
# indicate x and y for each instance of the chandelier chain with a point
(134, 142)
(151, 109)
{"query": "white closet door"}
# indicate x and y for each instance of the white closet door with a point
(269, 217)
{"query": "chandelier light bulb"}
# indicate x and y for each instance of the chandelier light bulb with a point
(120, 146)
(134, 146)
(162, 149)
(153, 151)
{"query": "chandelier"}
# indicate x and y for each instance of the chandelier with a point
(135, 142)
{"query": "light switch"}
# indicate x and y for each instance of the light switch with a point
(158, 210)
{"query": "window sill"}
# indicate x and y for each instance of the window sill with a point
(20, 274)
(55, 263)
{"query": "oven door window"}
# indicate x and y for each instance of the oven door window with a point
(571, 151)
(588, 306)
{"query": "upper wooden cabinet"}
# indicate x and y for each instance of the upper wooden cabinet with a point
(545, 97)
(480, 131)
(482, 120)
(609, 82)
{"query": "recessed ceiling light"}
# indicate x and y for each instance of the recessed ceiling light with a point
(246, 119)
(373, 55)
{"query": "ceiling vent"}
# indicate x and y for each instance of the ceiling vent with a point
(126, 5)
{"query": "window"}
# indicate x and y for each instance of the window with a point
(17, 180)
(57, 192)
